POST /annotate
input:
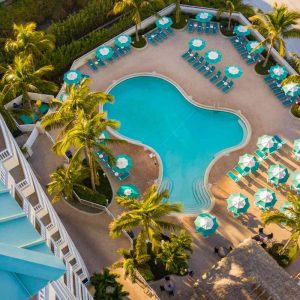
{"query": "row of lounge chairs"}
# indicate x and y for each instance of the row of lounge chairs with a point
(199, 27)
(158, 35)
(99, 63)
(198, 62)
(103, 158)
(261, 156)
(239, 44)
(276, 88)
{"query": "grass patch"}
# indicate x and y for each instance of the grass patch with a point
(296, 109)
(260, 69)
(139, 44)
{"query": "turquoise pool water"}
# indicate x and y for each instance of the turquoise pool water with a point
(153, 111)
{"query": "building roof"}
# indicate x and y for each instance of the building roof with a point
(247, 272)
(26, 262)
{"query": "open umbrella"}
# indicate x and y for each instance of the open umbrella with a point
(203, 16)
(292, 89)
(296, 146)
(248, 163)
(233, 71)
(197, 44)
(278, 72)
(238, 204)
(123, 163)
(241, 30)
(296, 180)
(104, 52)
(250, 46)
(128, 190)
(123, 40)
(265, 198)
(267, 143)
(206, 224)
(72, 77)
(164, 22)
(278, 174)
(213, 56)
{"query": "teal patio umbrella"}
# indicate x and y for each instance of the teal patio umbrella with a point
(278, 174)
(123, 163)
(72, 77)
(284, 208)
(206, 224)
(104, 135)
(197, 44)
(233, 71)
(278, 72)
(128, 190)
(213, 56)
(203, 16)
(267, 143)
(296, 146)
(265, 198)
(248, 163)
(104, 52)
(241, 30)
(164, 22)
(296, 180)
(123, 40)
(250, 46)
(292, 89)
(238, 204)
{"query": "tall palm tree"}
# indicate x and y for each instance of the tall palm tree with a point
(21, 77)
(146, 214)
(174, 253)
(291, 219)
(29, 41)
(84, 136)
(135, 9)
(65, 179)
(178, 9)
(275, 26)
(235, 5)
(294, 78)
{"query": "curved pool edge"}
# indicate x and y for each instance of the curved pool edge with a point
(189, 98)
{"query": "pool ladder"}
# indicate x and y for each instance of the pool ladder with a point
(166, 183)
(201, 195)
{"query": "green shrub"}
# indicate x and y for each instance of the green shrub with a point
(260, 69)
(282, 260)
(89, 195)
(139, 44)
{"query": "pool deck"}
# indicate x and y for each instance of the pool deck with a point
(250, 95)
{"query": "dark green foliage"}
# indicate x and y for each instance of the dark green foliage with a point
(296, 110)
(140, 44)
(274, 251)
(260, 69)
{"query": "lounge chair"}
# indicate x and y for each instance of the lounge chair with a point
(221, 82)
(232, 176)
(216, 76)
(122, 176)
(100, 62)
(128, 48)
(162, 33)
(92, 65)
(279, 139)
(203, 68)
(198, 63)
(193, 58)
(207, 27)
(199, 28)
(268, 78)
(44, 108)
(287, 103)
(120, 51)
(186, 54)
(240, 171)
(150, 39)
(227, 87)
(252, 60)
(210, 71)
(282, 96)
(115, 55)
(190, 27)
(29, 119)
(215, 28)
(260, 154)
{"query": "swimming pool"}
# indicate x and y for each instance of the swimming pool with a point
(153, 111)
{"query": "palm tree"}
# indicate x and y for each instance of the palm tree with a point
(107, 287)
(21, 77)
(276, 26)
(64, 180)
(294, 78)
(178, 9)
(174, 253)
(84, 136)
(29, 41)
(136, 8)
(235, 5)
(291, 219)
(145, 213)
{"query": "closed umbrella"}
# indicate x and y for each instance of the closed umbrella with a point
(164, 22)
(251, 47)
(72, 77)
(123, 40)
(296, 146)
(296, 180)
(278, 174)
(241, 30)
(104, 52)
(206, 224)
(248, 163)
(204, 16)
(267, 143)
(238, 204)
(213, 56)
(233, 71)
(292, 89)
(123, 163)
(265, 198)
(197, 44)
(128, 190)
(278, 72)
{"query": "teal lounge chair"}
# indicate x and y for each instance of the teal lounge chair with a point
(227, 87)
(232, 176)
(44, 108)
(170, 30)
(26, 119)
(221, 82)
(203, 68)
(150, 39)
(207, 27)
(92, 65)
(199, 27)
(216, 76)
(193, 58)
(101, 62)
(186, 54)
(210, 71)
(240, 171)
(261, 154)
(198, 63)
(279, 140)
(190, 27)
